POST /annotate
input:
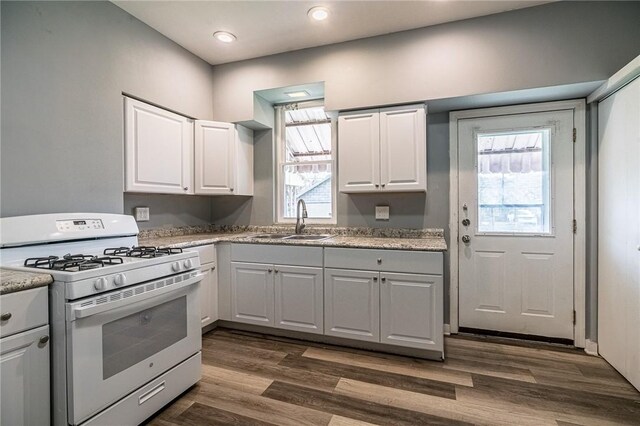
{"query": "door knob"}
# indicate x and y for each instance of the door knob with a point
(466, 222)
(466, 239)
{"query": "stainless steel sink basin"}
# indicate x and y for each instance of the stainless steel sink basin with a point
(272, 236)
(308, 237)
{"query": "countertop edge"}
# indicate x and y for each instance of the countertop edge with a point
(15, 281)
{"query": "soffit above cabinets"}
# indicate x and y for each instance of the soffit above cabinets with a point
(268, 27)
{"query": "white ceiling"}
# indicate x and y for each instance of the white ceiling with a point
(269, 27)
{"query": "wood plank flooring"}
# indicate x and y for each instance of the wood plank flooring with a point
(253, 379)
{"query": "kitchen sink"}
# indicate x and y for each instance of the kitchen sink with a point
(272, 236)
(308, 237)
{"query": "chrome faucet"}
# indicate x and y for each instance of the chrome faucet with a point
(300, 217)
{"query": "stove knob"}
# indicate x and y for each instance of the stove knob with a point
(188, 264)
(100, 284)
(175, 266)
(120, 280)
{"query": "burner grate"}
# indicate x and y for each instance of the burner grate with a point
(142, 251)
(71, 262)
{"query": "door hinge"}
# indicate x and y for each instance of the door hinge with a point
(574, 317)
(575, 226)
(574, 134)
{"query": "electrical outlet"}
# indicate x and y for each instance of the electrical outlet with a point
(382, 212)
(142, 214)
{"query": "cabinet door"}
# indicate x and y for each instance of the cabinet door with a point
(252, 293)
(209, 294)
(359, 152)
(24, 388)
(411, 308)
(214, 157)
(158, 150)
(352, 301)
(298, 298)
(403, 149)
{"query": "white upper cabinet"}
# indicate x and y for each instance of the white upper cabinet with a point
(383, 150)
(359, 152)
(223, 159)
(158, 150)
(403, 149)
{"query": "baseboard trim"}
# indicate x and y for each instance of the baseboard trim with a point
(447, 329)
(591, 347)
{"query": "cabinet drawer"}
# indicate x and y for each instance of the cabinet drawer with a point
(283, 255)
(29, 309)
(384, 260)
(207, 253)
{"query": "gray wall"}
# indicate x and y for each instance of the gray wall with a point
(65, 66)
(550, 45)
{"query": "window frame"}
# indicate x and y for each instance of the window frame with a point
(280, 163)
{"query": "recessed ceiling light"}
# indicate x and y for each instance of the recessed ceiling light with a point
(224, 36)
(297, 94)
(318, 13)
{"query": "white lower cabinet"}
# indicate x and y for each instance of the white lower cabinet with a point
(252, 293)
(352, 304)
(208, 292)
(298, 298)
(24, 358)
(410, 308)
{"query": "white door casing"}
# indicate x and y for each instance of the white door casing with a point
(517, 278)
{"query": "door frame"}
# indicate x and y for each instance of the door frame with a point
(579, 204)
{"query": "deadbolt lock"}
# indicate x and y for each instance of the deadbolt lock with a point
(466, 222)
(466, 239)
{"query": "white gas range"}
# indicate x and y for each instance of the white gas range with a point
(124, 319)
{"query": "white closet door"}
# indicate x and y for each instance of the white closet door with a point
(619, 231)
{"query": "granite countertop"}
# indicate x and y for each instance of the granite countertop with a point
(13, 281)
(422, 240)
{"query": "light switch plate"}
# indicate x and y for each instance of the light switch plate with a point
(141, 214)
(382, 212)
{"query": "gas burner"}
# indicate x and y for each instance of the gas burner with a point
(142, 251)
(71, 262)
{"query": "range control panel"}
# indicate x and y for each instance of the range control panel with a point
(79, 225)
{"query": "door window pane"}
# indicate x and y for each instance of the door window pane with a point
(134, 338)
(513, 182)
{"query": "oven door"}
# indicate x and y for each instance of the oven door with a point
(121, 340)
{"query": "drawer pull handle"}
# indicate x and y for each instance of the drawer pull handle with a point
(5, 317)
(44, 340)
(151, 393)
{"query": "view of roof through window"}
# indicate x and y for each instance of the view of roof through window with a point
(307, 161)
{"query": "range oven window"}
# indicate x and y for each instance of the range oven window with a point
(134, 338)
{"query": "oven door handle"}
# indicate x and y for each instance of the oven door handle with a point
(87, 311)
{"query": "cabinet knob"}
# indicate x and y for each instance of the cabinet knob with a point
(383, 185)
(44, 339)
(383, 279)
(377, 186)
(276, 271)
(186, 188)
(5, 317)
(379, 261)
(375, 279)
(231, 189)
(269, 270)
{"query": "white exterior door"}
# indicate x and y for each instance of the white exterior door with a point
(298, 293)
(252, 293)
(403, 149)
(359, 151)
(158, 150)
(214, 157)
(516, 223)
